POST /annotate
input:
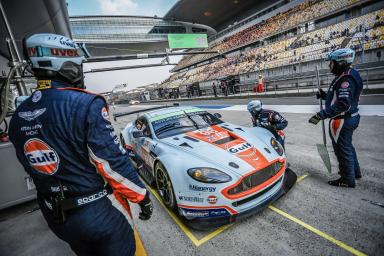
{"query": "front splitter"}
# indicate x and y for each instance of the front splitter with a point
(208, 223)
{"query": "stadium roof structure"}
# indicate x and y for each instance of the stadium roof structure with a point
(215, 13)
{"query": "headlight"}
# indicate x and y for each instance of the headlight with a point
(277, 146)
(208, 175)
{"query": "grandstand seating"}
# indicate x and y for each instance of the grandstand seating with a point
(312, 45)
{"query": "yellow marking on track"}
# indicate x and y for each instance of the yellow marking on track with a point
(317, 232)
(140, 249)
(184, 228)
(305, 175)
(208, 237)
(213, 234)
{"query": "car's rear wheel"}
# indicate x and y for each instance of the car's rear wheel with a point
(165, 187)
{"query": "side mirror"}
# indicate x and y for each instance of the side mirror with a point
(137, 134)
(217, 115)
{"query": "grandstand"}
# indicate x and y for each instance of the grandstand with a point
(289, 42)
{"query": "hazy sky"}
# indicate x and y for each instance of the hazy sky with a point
(105, 81)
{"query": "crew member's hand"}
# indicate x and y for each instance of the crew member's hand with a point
(315, 119)
(320, 94)
(146, 208)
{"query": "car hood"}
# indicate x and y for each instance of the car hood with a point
(225, 147)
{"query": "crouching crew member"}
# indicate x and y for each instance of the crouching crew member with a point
(268, 119)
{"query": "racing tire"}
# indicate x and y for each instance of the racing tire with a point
(164, 186)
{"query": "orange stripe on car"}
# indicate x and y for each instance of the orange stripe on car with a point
(242, 149)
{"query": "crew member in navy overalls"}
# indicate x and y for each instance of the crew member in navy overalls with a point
(65, 141)
(268, 119)
(341, 107)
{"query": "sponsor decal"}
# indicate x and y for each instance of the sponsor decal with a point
(204, 213)
(31, 130)
(44, 84)
(64, 52)
(202, 189)
(191, 199)
(245, 149)
(36, 96)
(30, 115)
(344, 85)
(92, 198)
(41, 156)
(212, 199)
(66, 42)
(212, 134)
(32, 51)
(104, 113)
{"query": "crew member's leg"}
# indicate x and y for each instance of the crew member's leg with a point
(341, 133)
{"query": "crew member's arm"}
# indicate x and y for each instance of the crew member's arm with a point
(254, 122)
(342, 97)
(109, 157)
(278, 121)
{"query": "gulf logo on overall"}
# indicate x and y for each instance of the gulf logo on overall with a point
(41, 157)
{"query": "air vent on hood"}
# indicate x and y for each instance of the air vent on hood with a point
(267, 150)
(175, 138)
(238, 128)
(190, 138)
(224, 140)
(234, 165)
(184, 144)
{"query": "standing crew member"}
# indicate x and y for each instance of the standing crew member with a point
(66, 143)
(341, 106)
(268, 119)
(260, 86)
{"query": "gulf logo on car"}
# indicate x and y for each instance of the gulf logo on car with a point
(212, 199)
(242, 149)
(41, 157)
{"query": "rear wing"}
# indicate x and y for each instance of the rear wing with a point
(115, 116)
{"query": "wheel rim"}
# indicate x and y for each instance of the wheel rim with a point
(164, 187)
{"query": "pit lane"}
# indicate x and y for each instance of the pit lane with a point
(312, 219)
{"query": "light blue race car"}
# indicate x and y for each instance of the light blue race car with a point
(209, 171)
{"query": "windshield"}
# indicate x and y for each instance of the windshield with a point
(183, 123)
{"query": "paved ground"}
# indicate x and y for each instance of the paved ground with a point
(312, 219)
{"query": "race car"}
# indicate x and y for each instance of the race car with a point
(209, 171)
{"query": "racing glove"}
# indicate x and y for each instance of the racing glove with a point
(315, 118)
(321, 94)
(146, 208)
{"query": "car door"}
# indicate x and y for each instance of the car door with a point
(145, 145)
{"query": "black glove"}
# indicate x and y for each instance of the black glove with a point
(315, 119)
(146, 208)
(320, 94)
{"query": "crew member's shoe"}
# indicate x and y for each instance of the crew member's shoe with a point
(340, 183)
(357, 176)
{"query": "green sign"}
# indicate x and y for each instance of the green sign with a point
(182, 41)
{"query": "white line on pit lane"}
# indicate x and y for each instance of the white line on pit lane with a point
(364, 110)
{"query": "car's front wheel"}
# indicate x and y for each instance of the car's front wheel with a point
(165, 187)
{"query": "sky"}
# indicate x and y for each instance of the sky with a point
(106, 81)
